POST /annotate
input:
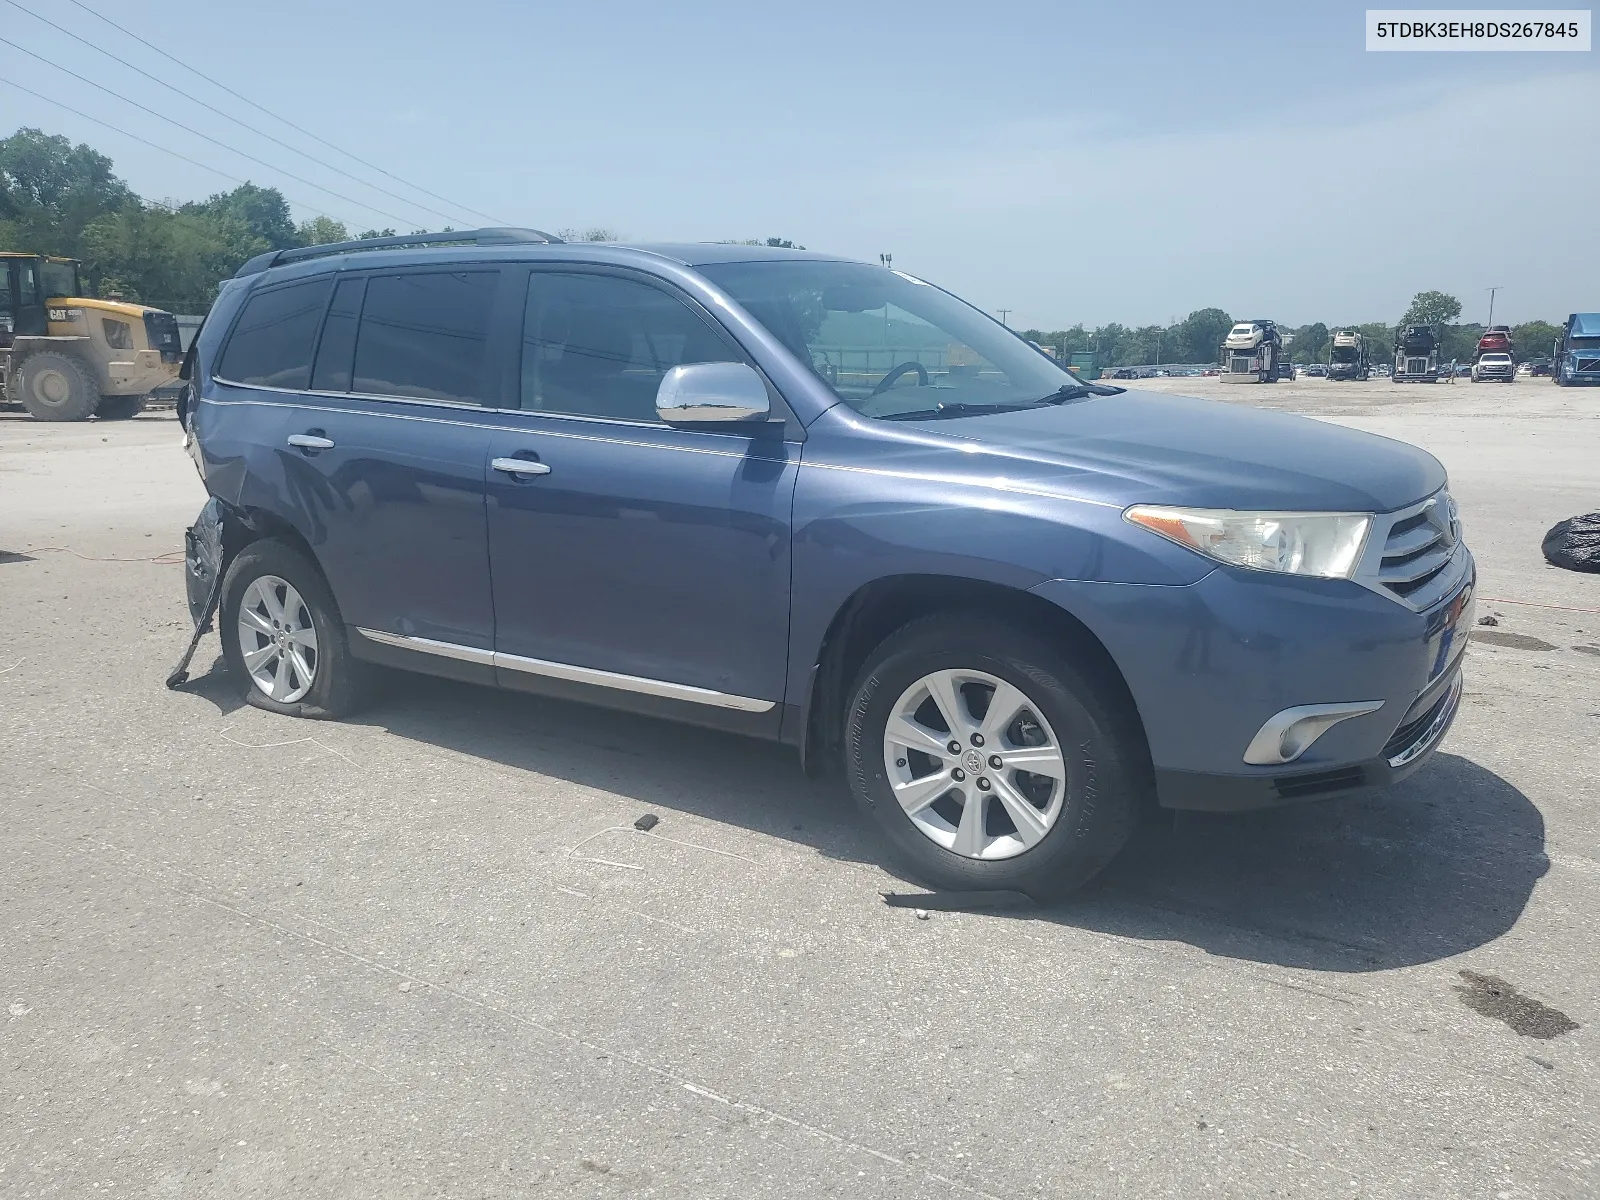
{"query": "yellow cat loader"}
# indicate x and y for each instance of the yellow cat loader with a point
(66, 358)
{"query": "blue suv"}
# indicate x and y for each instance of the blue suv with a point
(821, 502)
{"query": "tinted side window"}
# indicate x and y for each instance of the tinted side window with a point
(426, 335)
(598, 345)
(338, 345)
(272, 340)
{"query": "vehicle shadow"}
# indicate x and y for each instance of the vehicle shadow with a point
(1436, 866)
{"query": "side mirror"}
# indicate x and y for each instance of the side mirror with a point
(712, 393)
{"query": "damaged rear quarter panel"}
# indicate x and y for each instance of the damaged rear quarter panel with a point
(236, 430)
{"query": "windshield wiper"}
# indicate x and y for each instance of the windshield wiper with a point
(1077, 391)
(956, 409)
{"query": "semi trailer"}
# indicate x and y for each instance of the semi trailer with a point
(1252, 353)
(1576, 352)
(1416, 354)
(1347, 358)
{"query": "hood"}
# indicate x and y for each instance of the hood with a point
(1153, 448)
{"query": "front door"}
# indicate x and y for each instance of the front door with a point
(626, 554)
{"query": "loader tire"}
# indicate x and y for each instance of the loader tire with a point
(56, 387)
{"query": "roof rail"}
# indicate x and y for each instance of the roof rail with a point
(480, 237)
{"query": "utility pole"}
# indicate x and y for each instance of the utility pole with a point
(1004, 313)
(1491, 292)
(888, 261)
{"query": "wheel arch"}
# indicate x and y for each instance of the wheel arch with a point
(878, 608)
(244, 525)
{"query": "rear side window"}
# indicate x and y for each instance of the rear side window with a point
(338, 345)
(426, 335)
(272, 340)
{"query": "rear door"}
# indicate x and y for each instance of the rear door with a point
(382, 439)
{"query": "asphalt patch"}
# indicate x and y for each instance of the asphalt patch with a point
(1491, 996)
(1587, 649)
(1516, 641)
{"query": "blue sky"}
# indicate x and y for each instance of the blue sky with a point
(1115, 161)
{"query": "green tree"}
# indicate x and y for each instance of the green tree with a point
(375, 233)
(1379, 339)
(1200, 334)
(263, 211)
(1115, 345)
(321, 231)
(1309, 343)
(595, 233)
(1534, 339)
(50, 190)
(171, 259)
(1431, 308)
(1459, 343)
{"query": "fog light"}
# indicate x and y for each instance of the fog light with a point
(1290, 734)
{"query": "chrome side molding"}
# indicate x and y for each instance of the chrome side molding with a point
(568, 671)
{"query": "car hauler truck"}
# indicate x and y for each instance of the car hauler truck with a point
(1348, 357)
(1252, 352)
(1577, 350)
(1416, 354)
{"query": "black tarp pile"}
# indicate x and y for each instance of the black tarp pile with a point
(1575, 543)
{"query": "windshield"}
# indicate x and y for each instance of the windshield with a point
(1585, 343)
(61, 280)
(891, 346)
(1345, 354)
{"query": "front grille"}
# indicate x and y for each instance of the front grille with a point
(1240, 364)
(1418, 551)
(162, 330)
(1299, 787)
(1587, 364)
(1416, 366)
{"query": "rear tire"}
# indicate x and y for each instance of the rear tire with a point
(57, 387)
(120, 408)
(1067, 720)
(272, 588)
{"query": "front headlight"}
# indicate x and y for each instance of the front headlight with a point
(1327, 545)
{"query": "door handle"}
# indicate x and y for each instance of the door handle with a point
(520, 466)
(310, 441)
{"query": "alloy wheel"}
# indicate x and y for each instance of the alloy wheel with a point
(277, 639)
(974, 764)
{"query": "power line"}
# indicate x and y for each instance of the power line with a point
(258, 132)
(155, 145)
(284, 120)
(207, 137)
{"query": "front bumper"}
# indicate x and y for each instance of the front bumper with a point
(1408, 748)
(1209, 663)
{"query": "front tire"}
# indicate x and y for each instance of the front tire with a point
(1037, 796)
(57, 387)
(283, 637)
